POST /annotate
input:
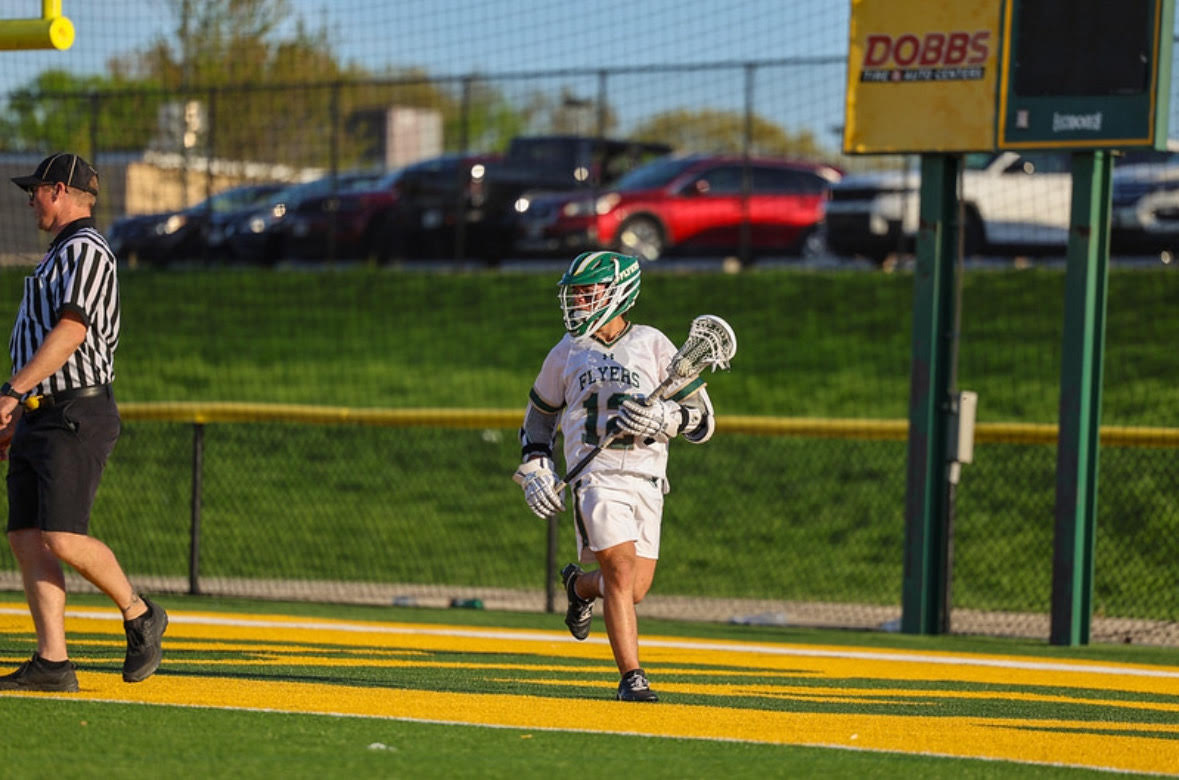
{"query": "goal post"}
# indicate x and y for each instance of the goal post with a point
(51, 30)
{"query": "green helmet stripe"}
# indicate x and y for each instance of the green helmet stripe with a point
(588, 261)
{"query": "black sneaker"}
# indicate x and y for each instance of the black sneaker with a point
(580, 612)
(144, 649)
(634, 687)
(34, 675)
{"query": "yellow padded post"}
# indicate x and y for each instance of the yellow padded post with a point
(51, 31)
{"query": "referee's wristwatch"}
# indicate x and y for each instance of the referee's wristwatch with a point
(8, 390)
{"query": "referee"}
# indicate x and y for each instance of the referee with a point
(58, 426)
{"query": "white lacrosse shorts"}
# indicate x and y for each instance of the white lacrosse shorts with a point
(610, 509)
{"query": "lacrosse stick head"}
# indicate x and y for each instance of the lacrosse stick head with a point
(711, 344)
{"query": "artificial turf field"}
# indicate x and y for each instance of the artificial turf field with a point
(456, 693)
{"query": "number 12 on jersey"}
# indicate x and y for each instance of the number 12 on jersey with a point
(590, 434)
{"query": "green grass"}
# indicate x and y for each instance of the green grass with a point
(436, 506)
(124, 741)
(811, 344)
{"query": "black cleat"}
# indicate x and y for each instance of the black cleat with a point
(144, 646)
(34, 675)
(580, 612)
(634, 687)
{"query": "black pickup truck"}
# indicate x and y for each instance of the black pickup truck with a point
(546, 163)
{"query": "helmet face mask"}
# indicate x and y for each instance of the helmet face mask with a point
(598, 287)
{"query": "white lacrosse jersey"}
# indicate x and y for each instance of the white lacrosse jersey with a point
(585, 380)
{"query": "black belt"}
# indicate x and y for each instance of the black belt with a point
(34, 402)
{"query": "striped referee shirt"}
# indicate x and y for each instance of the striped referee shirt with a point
(76, 275)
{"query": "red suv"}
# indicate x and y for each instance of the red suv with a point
(682, 202)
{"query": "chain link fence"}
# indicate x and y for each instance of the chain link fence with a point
(799, 523)
(371, 461)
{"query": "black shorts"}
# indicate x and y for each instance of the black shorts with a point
(56, 460)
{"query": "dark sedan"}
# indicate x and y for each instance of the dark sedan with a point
(437, 206)
(260, 235)
(414, 212)
(162, 238)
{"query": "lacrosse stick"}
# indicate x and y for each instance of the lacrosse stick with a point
(711, 343)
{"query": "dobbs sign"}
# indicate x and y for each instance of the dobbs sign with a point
(922, 76)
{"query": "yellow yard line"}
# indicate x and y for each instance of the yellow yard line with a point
(269, 640)
(1126, 747)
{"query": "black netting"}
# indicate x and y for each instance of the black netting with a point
(795, 511)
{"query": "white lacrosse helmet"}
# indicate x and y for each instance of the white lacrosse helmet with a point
(620, 277)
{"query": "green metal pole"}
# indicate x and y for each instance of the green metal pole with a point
(1077, 450)
(926, 573)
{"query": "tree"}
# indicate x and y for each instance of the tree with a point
(218, 42)
(719, 132)
(60, 110)
(283, 99)
(480, 117)
(568, 113)
(239, 80)
(229, 59)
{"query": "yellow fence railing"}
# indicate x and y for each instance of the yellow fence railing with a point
(892, 430)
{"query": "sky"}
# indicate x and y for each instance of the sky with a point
(449, 38)
(454, 37)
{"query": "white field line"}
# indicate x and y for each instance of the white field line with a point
(677, 644)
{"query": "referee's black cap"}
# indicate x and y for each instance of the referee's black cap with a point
(69, 169)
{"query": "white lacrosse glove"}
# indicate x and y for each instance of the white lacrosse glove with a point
(539, 480)
(650, 418)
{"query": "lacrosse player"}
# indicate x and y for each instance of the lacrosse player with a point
(596, 381)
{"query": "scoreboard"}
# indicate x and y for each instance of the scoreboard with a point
(1086, 73)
